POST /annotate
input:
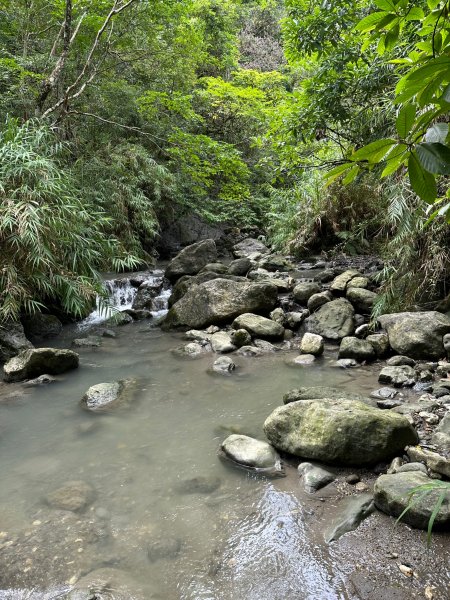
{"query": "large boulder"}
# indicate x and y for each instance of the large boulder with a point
(248, 247)
(240, 266)
(248, 452)
(352, 347)
(312, 344)
(340, 283)
(393, 495)
(12, 340)
(417, 334)
(259, 326)
(41, 326)
(104, 397)
(188, 281)
(362, 299)
(220, 301)
(338, 431)
(304, 290)
(333, 321)
(192, 259)
(34, 362)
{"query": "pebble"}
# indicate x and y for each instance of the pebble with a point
(361, 486)
(407, 571)
(352, 479)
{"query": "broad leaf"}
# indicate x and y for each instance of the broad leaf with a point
(371, 21)
(422, 182)
(415, 14)
(437, 133)
(374, 152)
(435, 157)
(405, 120)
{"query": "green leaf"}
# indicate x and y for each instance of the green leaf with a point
(446, 95)
(396, 158)
(415, 14)
(435, 157)
(385, 4)
(374, 152)
(437, 133)
(391, 38)
(371, 21)
(405, 120)
(337, 172)
(351, 175)
(422, 182)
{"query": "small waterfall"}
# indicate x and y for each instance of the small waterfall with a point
(122, 294)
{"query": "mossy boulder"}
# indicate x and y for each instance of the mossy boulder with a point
(39, 361)
(192, 259)
(259, 326)
(338, 431)
(333, 321)
(220, 301)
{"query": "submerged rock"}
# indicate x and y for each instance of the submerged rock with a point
(392, 496)
(221, 342)
(202, 484)
(334, 320)
(338, 431)
(34, 362)
(259, 326)
(351, 512)
(91, 341)
(219, 301)
(192, 259)
(73, 495)
(248, 452)
(107, 584)
(314, 476)
(163, 547)
(103, 397)
(417, 334)
(223, 365)
(12, 340)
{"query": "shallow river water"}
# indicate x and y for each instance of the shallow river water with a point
(169, 518)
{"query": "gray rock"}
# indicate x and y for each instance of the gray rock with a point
(139, 314)
(346, 363)
(338, 431)
(109, 333)
(434, 461)
(91, 341)
(198, 335)
(441, 435)
(279, 316)
(351, 512)
(223, 365)
(146, 293)
(73, 495)
(333, 321)
(392, 496)
(32, 363)
(326, 275)
(340, 283)
(318, 300)
(412, 466)
(398, 376)
(219, 301)
(240, 266)
(248, 247)
(104, 397)
(221, 342)
(380, 343)
(417, 334)
(362, 299)
(265, 346)
(362, 331)
(12, 340)
(303, 291)
(400, 361)
(295, 318)
(314, 477)
(446, 342)
(202, 484)
(41, 326)
(38, 381)
(240, 337)
(274, 262)
(250, 351)
(352, 347)
(359, 282)
(215, 267)
(312, 344)
(389, 403)
(259, 326)
(320, 393)
(248, 452)
(301, 360)
(384, 393)
(192, 259)
(163, 547)
(193, 349)
(185, 283)
(119, 319)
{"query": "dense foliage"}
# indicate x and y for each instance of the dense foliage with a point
(119, 116)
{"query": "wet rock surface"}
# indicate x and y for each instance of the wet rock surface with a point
(192, 259)
(248, 452)
(34, 362)
(73, 495)
(333, 321)
(104, 397)
(12, 340)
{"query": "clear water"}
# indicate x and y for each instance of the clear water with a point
(252, 538)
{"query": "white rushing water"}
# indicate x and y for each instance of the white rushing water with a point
(122, 293)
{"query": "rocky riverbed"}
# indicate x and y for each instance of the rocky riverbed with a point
(253, 449)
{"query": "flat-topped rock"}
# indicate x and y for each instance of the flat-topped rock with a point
(220, 301)
(192, 259)
(39, 361)
(259, 326)
(338, 431)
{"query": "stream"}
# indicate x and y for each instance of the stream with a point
(169, 520)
